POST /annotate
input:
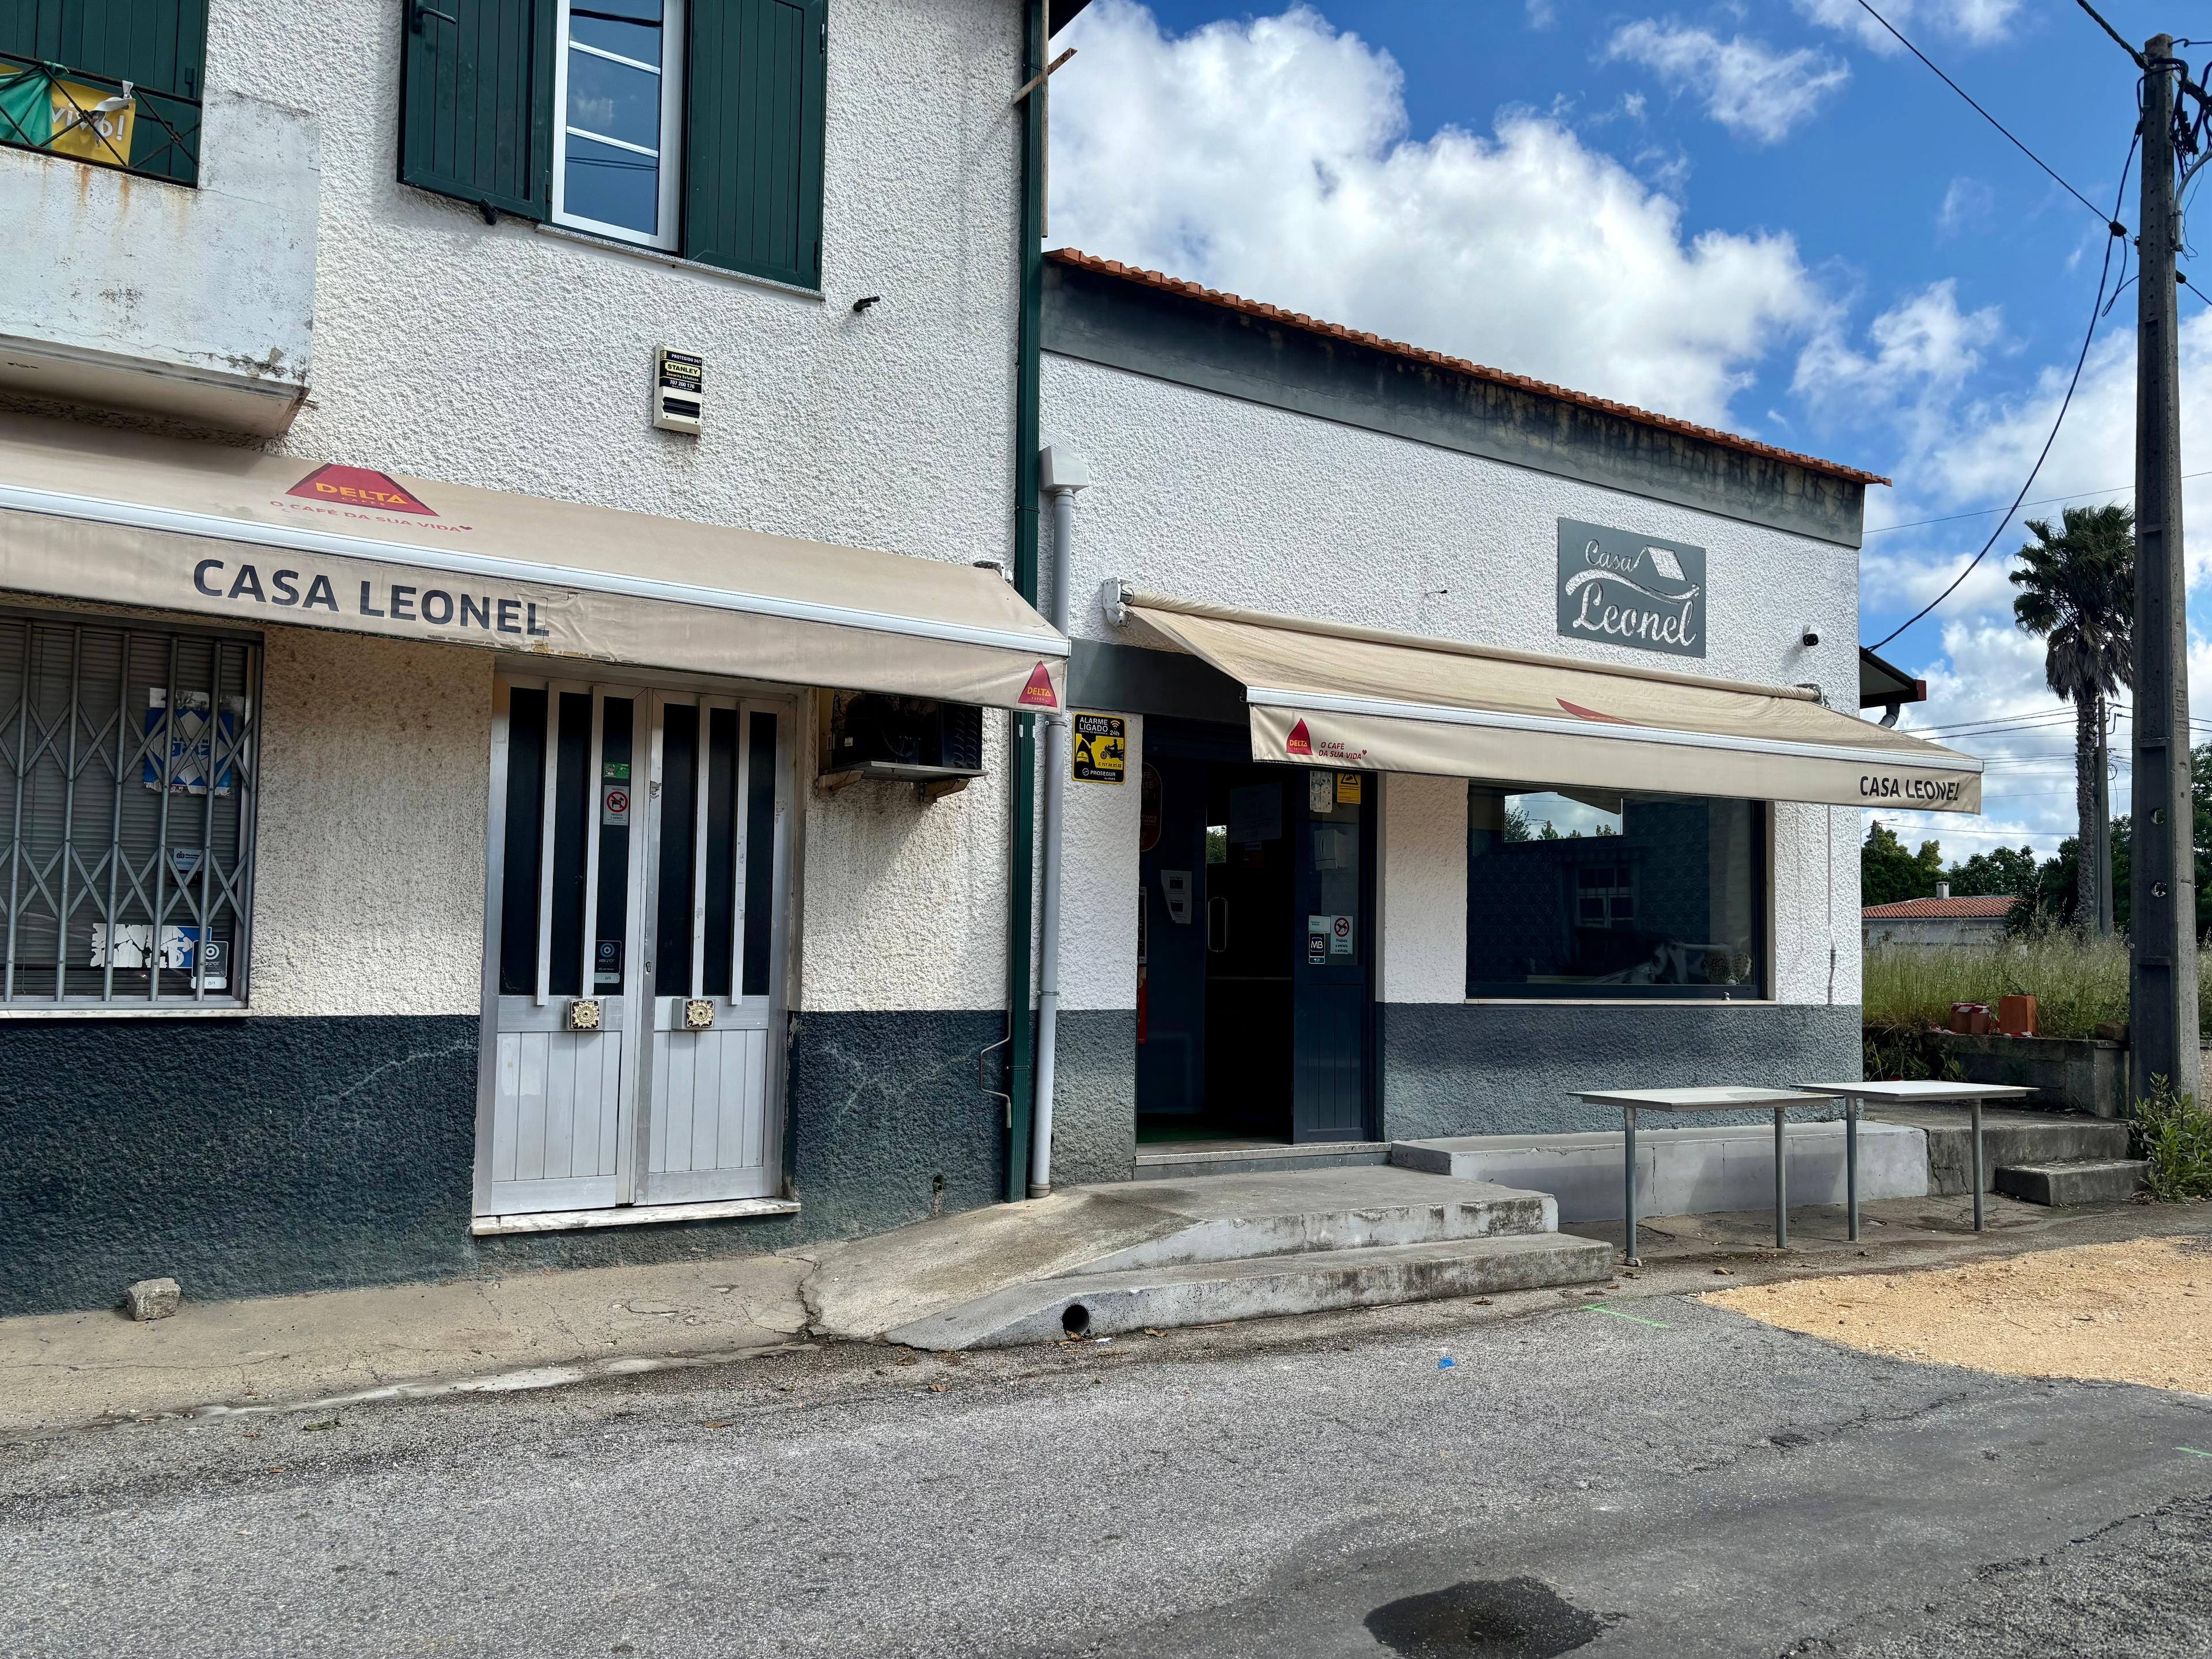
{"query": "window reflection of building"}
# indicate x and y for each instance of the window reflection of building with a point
(1589, 894)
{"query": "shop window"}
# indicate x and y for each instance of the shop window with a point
(690, 126)
(127, 789)
(1592, 894)
(113, 82)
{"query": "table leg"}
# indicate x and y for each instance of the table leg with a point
(1978, 1165)
(1628, 1115)
(1781, 1186)
(1851, 1164)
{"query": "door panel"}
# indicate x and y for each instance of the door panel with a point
(558, 1094)
(1250, 888)
(1332, 976)
(645, 1108)
(1171, 1035)
(719, 803)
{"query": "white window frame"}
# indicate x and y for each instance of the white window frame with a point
(671, 154)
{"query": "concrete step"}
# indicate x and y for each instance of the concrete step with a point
(1164, 1161)
(1206, 1293)
(1232, 1219)
(1682, 1169)
(2080, 1181)
(2010, 1139)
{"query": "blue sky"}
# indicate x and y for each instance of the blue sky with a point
(1768, 217)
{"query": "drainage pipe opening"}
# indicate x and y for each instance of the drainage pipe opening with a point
(1075, 1318)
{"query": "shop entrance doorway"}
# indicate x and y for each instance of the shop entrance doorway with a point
(632, 980)
(1256, 946)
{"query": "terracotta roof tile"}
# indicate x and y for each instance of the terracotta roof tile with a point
(1938, 909)
(1068, 255)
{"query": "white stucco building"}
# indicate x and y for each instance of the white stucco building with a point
(1288, 521)
(1934, 923)
(382, 300)
(519, 668)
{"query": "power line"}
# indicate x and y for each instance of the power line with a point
(2047, 501)
(2119, 39)
(2104, 272)
(2019, 726)
(2037, 716)
(2111, 221)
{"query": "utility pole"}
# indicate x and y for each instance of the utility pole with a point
(2163, 966)
(2103, 850)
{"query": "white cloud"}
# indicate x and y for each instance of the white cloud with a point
(1966, 206)
(1542, 14)
(1924, 348)
(1986, 667)
(1269, 157)
(1977, 22)
(1992, 445)
(1746, 86)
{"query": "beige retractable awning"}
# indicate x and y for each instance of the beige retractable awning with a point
(1325, 695)
(95, 514)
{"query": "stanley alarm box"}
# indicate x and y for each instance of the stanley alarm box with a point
(679, 391)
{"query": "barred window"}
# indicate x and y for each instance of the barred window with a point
(127, 792)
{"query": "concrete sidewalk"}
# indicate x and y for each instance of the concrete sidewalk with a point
(63, 1372)
(68, 1370)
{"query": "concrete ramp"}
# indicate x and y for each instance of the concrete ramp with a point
(1192, 1251)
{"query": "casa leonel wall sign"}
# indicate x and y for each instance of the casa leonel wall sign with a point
(1630, 590)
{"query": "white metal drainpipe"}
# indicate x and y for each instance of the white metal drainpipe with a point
(1060, 475)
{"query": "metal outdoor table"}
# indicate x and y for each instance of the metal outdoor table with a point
(1632, 1101)
(1916, 1093)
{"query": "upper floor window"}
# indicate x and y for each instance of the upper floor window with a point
(619, 87)
(691, 125)
(118, 86)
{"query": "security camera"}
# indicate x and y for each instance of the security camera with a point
(1810, 638)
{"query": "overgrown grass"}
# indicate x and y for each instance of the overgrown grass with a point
(2174, 1134)
(2078, 984)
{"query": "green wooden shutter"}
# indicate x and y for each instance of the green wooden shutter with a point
(752, 137)
(476, 101)
(160, 46)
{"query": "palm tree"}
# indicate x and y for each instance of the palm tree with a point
(2078, 595)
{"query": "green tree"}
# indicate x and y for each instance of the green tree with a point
(2003, 871)
(2077, 593)
(1888, 873)
(2053, 896)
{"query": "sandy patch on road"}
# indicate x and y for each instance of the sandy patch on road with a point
(2135, 1312)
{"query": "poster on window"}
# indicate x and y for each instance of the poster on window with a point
(190, 742)
(126, 945)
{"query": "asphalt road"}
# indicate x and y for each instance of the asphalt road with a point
(1665, 1479)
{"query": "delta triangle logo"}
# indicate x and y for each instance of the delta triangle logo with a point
(1300, 742)
(357, 486)
(1038, 693)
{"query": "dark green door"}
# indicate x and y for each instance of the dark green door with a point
(1332, 975)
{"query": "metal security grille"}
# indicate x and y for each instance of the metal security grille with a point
(127, 791)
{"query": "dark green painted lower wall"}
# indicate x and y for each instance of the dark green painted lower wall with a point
(256, 1157)
(1094, 1113)
(1496, 1069)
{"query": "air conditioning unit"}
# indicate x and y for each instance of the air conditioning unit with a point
(874, 734)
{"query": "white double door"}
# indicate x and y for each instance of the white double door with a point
(634, 947)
